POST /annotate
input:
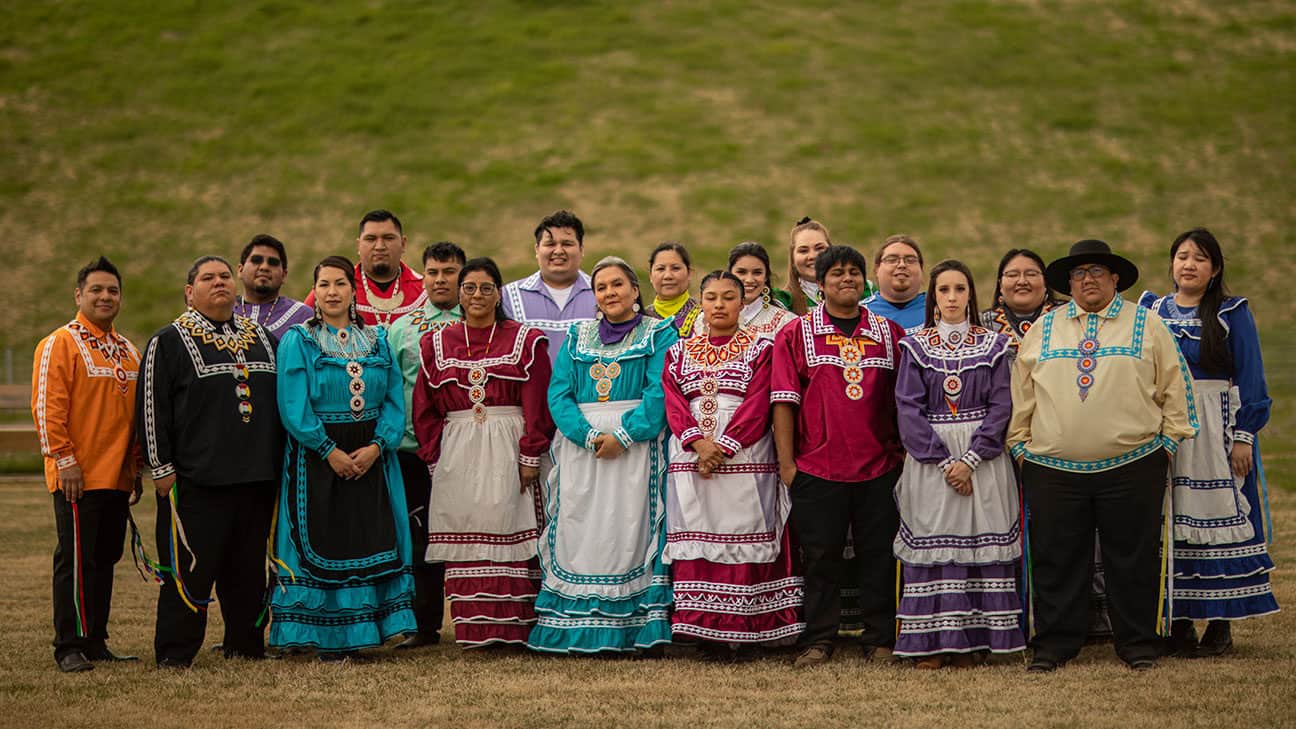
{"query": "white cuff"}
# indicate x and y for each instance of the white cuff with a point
(623, 437)
(971, 459)
(163, 471)
(1241, 436)
(532, 461)
(67, 461)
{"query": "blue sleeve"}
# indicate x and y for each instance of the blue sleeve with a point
(1248, 373)
(1147, 300)
(295, 410)
(563, 405)
(645, 422)
(391, 416)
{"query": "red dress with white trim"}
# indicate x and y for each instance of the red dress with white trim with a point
(726, 538)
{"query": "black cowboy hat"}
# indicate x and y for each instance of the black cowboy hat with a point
(1058, 273)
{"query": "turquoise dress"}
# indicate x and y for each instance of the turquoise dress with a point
(605, 587)
(342, 547)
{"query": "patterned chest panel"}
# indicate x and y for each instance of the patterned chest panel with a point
(980, 348)
(638, 343)
(551, 319)
(873, 339)
(513, 364)
(700, 366)
(224, 352)
(421, 322)
(1093, 330)
(105, 356)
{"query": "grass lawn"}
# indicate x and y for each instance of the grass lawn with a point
(154, 133)
(157, 132)
(443, 686)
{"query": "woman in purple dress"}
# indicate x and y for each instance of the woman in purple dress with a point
(959, 537)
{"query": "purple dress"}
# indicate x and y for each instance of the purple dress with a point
(958, 553)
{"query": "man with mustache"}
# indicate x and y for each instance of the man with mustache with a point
(441, 264)
(209, 429)
(1101, 399)
(386, 288)
(83, 400)
(262, 267)
(902, 295)
(558, 294)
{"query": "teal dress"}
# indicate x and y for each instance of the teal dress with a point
(341, 547)
(605, 587)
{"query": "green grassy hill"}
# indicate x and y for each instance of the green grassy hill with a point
(156, 132)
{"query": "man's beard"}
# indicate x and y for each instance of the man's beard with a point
(265, 291)
(382, 271)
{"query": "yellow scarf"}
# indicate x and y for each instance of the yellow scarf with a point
(670, 307)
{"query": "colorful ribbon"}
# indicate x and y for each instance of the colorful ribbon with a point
(78, 589)
(178, 537)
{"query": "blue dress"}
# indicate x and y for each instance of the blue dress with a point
(342, 547)
(605, 587)
(1221, 559)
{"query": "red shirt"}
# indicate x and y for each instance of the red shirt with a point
(845, 390)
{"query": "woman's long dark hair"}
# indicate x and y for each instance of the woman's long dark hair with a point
(492, 270)
(950, 265)
(757, 251)
(343, 264)
(1050, 296)
(1215, 354)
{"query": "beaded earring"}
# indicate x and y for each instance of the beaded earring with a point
(636, 307)
(765, 296)
(351, 311)
(598, 314)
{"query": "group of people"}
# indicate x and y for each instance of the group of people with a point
(577, 468)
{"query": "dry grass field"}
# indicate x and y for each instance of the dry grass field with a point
(443, 687)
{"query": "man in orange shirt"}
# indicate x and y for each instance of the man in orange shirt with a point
(83, 402)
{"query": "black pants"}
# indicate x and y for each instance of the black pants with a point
(821, 512)
(227, 528)
(429, 579)
(102, 517)
(1124, 505)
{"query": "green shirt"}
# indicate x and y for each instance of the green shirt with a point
(405, 336)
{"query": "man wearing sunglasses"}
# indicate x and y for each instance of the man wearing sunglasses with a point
(262, 267)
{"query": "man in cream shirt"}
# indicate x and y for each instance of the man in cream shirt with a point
(1101, 399)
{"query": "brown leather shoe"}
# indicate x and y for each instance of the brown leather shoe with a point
(878, 654)
(930, 663)
(815, 655)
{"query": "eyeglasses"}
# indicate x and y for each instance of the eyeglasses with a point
(257, 259)
(897, 260)
(471, 289)
(1014, 275)
(1094, 272)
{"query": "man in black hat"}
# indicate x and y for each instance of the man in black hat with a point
(1101, 399)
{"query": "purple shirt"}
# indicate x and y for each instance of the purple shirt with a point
(277, 316)
(983, 386)
(528, 301)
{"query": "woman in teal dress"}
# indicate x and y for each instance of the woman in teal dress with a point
(605, 588)
(341, 547)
